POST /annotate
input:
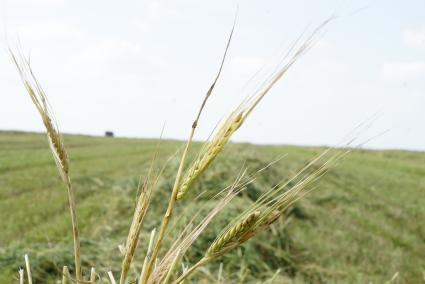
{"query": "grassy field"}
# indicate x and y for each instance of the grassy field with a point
(363, 224)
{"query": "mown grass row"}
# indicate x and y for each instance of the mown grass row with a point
(367, 212)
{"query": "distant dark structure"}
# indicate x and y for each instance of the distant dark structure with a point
(109, 134)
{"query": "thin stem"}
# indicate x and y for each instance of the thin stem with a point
(220, 272)
(171, 269)
(147, 257)
(111, 277)
(93, 275)
(168, 213)
(21, 276)
(274, 277)
(188, 272)
(28, 267)
(65, 275)
(75, 231)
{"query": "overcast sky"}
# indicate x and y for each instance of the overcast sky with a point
(131, 66)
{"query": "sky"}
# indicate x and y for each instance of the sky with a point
(134, 66)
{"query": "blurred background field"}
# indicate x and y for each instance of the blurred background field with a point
(363, 224)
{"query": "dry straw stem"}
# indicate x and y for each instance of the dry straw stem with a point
(21, 276)
(213, 148)
(147, 257)
(56, 144)
(66, 278)
(177, 182)
(28, 267)
(111, 277)
(93, 275)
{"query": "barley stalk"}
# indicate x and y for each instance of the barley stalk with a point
(142, 206)
(187, 237)
(266, 210)
(177, 182)
(237, 117)
(56, 144)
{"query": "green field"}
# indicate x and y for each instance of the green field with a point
(364, 222)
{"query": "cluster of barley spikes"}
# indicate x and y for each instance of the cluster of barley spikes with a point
(162, 267)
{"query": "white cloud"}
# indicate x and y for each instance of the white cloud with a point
(414, 39)
(55, 41)
(402, 72)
